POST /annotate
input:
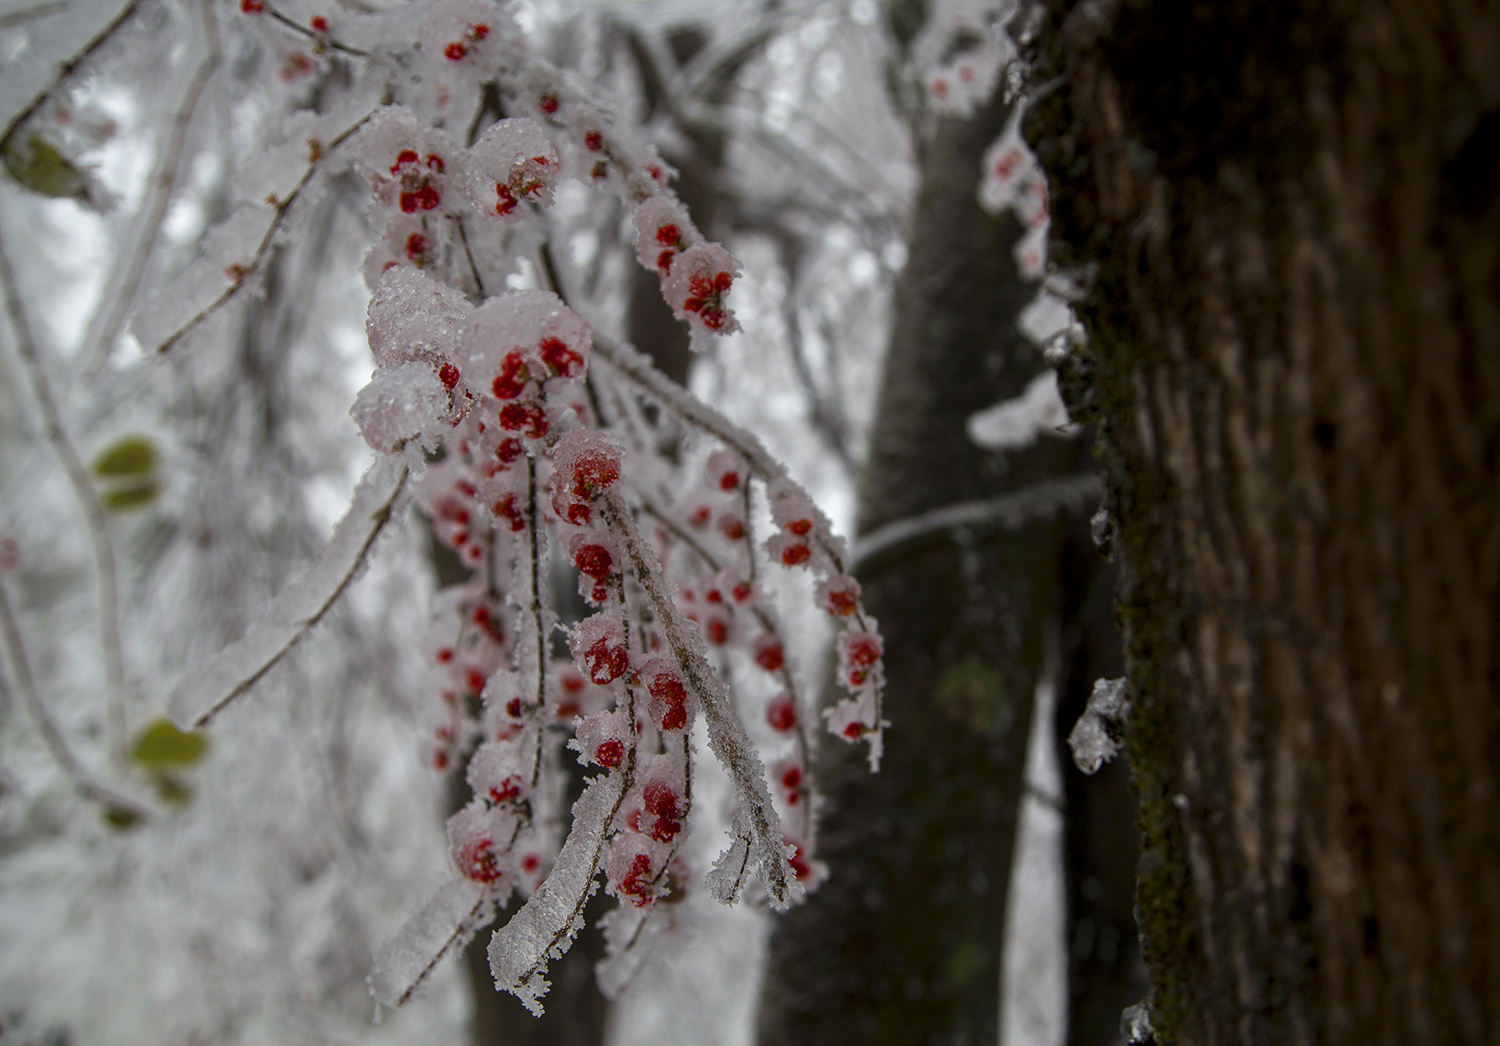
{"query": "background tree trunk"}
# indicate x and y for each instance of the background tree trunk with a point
(1294, 358)
(902, 944)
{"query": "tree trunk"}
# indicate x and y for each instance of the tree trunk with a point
(902, 943)
(1294, 358)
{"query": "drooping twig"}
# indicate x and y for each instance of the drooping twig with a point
(1015, 509)
(756, 825)
(163, 180)
(57, 745)
(88, 503)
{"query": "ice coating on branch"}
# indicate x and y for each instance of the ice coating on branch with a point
(1012, 179)
(413, 317)
(512, 163)
(1094, 739)
(409, 165)
(697, 284)
(402, 405)
(545, 925)
(445, 923)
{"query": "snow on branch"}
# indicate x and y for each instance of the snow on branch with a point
(234, 671)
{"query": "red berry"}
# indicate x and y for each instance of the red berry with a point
(661, 800)
(477, 861)
(319, 24)
(594, 141)
(594, 560)
(665, 829)
(528, 418)
(549, 104)
(566, 361)
(609, 753)
(253, 7)
(405, 156)
(668, 235)
(782, 714)
(455, 51)
(854, 731)
(606, 663)
(448, 375)
(795, 554)
(664, 260)
(505, 199)
(718, 631)
(480, 31)
(800, 527)
(770, 657)
(792, 779)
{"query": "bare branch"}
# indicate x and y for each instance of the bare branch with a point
(163, 180)
(1015, 509)
(88, 504)
(20, 668)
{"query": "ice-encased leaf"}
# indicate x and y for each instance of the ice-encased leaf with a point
(544, 926)
(1093, 739)
(447, 921)
(298, 607)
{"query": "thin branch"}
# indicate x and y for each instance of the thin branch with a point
(57, 745)
(322, 40)
(1015, 509)
(88, 504)
(163, 181)
(68, 68)
(283, 207)
(726, 733)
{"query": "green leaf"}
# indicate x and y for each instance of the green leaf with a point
(129, 456)
(162, 745)
(40, 166)
(121, 817)
(123, 499)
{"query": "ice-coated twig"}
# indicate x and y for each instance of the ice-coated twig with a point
(57, 745)
(1015, 509)
(88, 504)
(447, 921)
(321, 39)
(205, 692)
(283, 208)
(546, 923)
(163, 181)
(756, 827)
(68, 68)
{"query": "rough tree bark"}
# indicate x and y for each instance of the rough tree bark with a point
(1290, 220)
